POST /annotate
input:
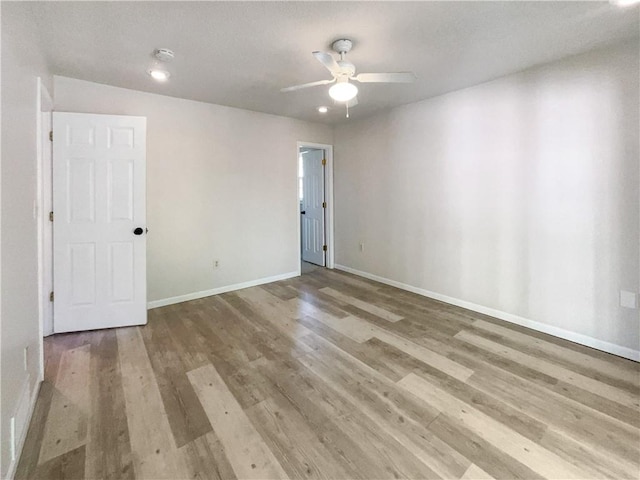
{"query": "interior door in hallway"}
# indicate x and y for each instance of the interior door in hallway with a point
(99, 231)
(313, 207)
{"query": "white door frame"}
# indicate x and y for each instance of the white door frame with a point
(44, 107)
(328, 185)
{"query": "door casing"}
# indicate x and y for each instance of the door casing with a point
(328, 185)
(44, 109)
(313, 220)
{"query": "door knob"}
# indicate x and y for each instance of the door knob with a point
(138, 231)
(303, 212)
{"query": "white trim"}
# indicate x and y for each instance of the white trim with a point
(329, 233)
(44, 104)
(215, 291)
(525, 322)
(11, 470)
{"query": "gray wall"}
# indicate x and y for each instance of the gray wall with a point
(520, 195)
(221, 184)
(21, 65)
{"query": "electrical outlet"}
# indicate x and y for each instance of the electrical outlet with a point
(628, 299)
(216, 264)
(26, 359)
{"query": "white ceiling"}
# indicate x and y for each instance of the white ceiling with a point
(241, 53)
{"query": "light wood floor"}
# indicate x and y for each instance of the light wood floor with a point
(330, 376)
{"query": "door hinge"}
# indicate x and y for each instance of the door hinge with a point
(324, 161)
(324, 204)
(324, 248)
(51, 297)
(51, 216)
(51, 135)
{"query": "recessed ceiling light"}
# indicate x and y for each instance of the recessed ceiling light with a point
(624, 3)
(159, 75)
(323, 109)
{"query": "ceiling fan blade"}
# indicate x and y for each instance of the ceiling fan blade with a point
(329, 62)
(307, 85)
(398, 77)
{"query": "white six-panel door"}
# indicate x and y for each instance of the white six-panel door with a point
(312, 200)
(99, 263)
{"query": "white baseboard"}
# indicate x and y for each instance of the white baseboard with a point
(23, 413)
(525, 322)
(215, 291)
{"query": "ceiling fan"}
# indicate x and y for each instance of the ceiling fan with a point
(342, 70)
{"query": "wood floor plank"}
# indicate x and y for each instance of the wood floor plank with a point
(361, 330)
(206, 459)
(340, 278)
(176, 322)
(398, 415)
(418, 319)
(68, 466)
(426, 355)
(581, 423)
(494, 407)
(487, 456)
(599, 463)
(378, 355)
(367, 307)
(108, 449)
(523, 450)
(246, 451)
(293, 441)
(152, 442)
(224, 339)
(186, 416)
(29, 459)
(281, 291)
(474, 472)
(275, 311)
(53, 350)
(67, 422)
(232, 362)
(589, 384)
(349, 326)
(309, 294)
(628, 372)
(269, 334)
(325, 412)
(480, 359)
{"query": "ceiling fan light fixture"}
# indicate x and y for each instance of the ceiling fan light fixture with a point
(343, 91)
(158, 70)
(159, 75)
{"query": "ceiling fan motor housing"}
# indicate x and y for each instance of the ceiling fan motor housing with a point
(163, 54)
(348, 68)
(344, 45)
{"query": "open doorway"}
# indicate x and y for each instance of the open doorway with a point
(315, 202)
